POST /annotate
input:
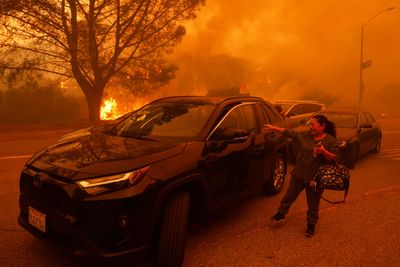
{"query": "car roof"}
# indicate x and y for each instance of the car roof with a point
(298, 102)
(208, 99)
(340, 110)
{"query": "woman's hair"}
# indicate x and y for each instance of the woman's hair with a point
(330, 127)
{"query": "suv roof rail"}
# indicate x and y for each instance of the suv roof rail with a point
(215, 99)
(299, 101)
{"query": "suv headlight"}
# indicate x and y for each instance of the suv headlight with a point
(95, 186)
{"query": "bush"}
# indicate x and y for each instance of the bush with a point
(40, 104)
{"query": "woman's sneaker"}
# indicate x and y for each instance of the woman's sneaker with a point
(278, 219)
(310, 231)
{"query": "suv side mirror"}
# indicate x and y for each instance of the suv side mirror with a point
(221, 139)
(231, 135)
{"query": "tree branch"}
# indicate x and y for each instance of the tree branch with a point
(36, 50)
(39, 69)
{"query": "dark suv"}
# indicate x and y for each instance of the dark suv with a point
(132, 187)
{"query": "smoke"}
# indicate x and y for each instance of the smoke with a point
(291, 49)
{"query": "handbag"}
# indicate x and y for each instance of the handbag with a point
(333, 176)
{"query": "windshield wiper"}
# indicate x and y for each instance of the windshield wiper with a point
(108, 132)
(140, 137)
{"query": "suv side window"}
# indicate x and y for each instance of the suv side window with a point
(248, 118)
(270, 116)
(241, 117)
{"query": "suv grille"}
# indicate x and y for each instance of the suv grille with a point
(50, 195)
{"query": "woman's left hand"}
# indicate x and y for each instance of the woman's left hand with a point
(319, 150)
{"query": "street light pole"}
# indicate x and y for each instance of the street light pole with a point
(361, 85)
(366, 64)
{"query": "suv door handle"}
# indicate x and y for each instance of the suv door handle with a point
(273, 134)
(259, 149)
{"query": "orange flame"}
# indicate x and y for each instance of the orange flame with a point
(108, 110)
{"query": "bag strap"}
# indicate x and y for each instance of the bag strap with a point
(346, 191)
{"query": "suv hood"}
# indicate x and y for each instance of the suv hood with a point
(96, 154)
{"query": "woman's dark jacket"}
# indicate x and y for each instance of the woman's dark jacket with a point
(306, 162)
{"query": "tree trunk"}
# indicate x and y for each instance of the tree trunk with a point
(94, 101)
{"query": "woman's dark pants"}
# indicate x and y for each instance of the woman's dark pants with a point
(293, 191)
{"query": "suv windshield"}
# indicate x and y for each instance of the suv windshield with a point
(167, 119)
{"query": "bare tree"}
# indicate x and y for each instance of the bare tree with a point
(91, 41)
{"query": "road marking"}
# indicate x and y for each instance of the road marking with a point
(389, 157)
(382, 190)
(393, 153)
(391, 132)
(390, 149)
(16, 157)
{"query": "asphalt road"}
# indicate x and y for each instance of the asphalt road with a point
(361, 232)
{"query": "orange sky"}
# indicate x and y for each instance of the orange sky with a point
(291, 48)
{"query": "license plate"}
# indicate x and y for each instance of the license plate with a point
(37, 219)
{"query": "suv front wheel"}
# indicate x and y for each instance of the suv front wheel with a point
(174, 222)
(277, 176)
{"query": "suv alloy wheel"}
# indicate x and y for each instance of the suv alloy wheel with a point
(277, 177)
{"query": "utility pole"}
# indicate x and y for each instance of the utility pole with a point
(368, 63)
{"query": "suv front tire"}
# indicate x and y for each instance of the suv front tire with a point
(276, 179)
(171, 251)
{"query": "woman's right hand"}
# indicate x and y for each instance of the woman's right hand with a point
(268, 127)
(272, 127)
